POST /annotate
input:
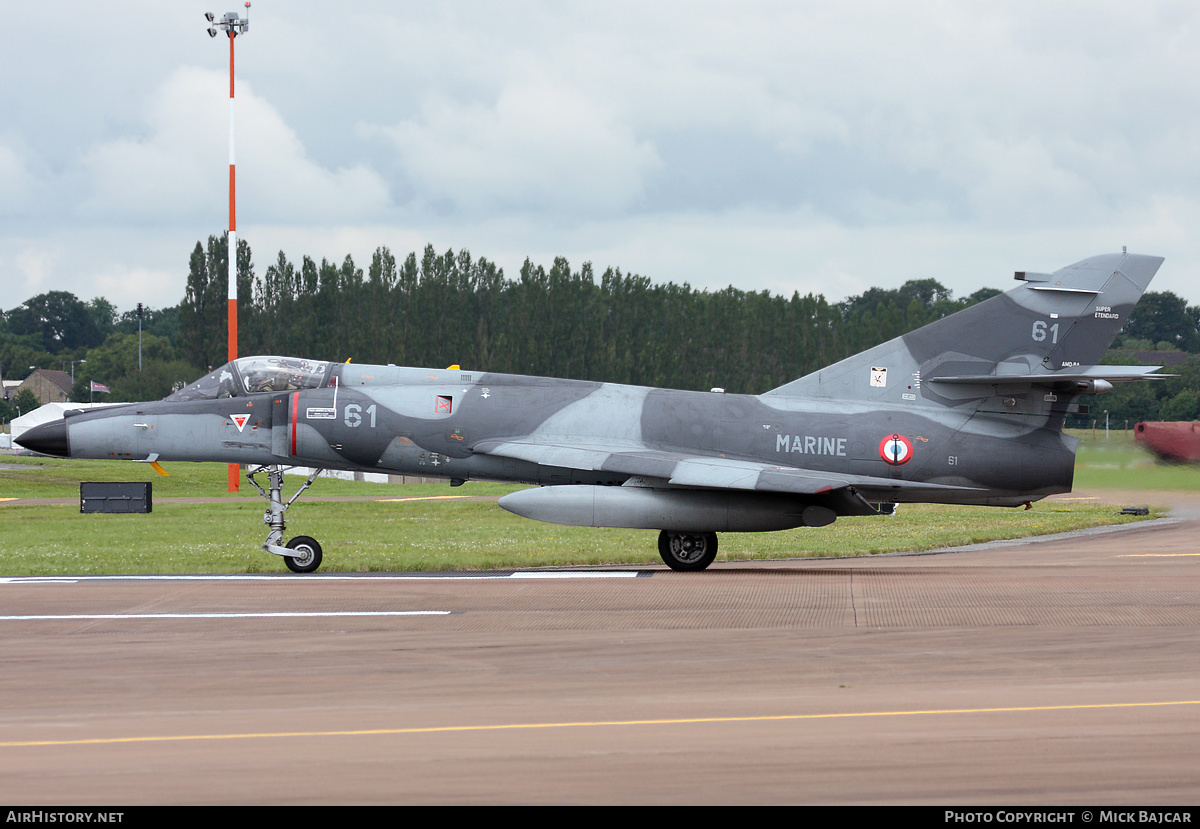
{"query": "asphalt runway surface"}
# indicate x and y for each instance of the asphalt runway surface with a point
(1062, 672)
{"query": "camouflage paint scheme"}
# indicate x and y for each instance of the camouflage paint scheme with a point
(967, 410)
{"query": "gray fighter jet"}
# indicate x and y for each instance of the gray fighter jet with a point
(967, 410)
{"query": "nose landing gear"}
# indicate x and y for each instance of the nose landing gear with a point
(302, 554)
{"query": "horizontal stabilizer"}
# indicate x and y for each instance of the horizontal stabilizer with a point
(1076, 374)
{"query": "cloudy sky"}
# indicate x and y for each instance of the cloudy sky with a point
(781, 146)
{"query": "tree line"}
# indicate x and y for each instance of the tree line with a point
(447, 308)
(438, 309)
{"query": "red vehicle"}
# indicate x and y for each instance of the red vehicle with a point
(1178, 442)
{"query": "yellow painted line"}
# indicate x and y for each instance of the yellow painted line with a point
(425, 498)
(445, 729)
(8, 499)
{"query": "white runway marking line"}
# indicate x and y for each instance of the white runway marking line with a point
(84, 617)
(1156, 555)
(601, 574)
(282, 579)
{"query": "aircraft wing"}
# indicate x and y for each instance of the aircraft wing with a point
(698, 471)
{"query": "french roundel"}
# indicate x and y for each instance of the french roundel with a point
(895, 449)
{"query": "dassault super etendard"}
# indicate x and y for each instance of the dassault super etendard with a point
(967, 410)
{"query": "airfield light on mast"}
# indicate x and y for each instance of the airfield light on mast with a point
(233, 26)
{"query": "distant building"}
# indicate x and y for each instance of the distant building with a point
(48, 386)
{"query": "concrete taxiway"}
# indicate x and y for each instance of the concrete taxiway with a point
(1057, 672)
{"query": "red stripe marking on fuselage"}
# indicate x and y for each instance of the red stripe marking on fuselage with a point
(295, 409)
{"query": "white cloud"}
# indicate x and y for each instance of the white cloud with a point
(125, 286)
(178, 171)
(17, 185)
(28, 267)
(760, 143)
(540, 146)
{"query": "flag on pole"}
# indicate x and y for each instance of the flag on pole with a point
(99, 387)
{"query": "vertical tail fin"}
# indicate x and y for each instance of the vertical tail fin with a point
(1048, 322)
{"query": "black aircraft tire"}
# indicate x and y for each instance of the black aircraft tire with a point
(310, 558)
(687, 552)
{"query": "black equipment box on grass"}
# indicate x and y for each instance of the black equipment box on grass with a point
(116, 497)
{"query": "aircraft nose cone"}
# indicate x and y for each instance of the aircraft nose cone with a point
(48, 439)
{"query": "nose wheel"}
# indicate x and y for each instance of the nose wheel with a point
(302, 554)
(306, 554)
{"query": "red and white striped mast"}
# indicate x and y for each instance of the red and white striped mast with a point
(233, 26)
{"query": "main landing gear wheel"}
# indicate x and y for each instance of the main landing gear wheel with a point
(307, 557)
(687, 551)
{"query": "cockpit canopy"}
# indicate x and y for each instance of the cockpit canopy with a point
(258, 375)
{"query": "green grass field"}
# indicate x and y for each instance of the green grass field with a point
(452, 534)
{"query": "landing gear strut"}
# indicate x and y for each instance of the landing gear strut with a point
(687, 551)
(302, 554)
